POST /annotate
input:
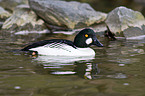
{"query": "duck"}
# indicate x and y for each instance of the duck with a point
(61, 47)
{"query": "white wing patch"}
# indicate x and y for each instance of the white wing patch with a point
(59, 46)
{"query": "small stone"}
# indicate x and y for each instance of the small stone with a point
(23, 18)
(121, 64)
(17, 87)
(21, 67)
(4, 14)
(126, 84)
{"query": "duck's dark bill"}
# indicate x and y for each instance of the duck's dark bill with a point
(97, 43)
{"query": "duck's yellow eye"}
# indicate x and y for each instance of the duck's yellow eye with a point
(86, 35)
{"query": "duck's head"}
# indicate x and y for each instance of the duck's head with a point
(86, 38)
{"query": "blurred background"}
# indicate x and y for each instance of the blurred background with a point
(108, 5)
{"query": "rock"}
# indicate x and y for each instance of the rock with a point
(125, 21)
(23, 18)
(66, 14)
(11, 4)
(135, 32)
(4, 14)
(100, 28)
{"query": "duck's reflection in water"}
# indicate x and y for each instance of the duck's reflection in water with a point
(62, 65)
(87, 70)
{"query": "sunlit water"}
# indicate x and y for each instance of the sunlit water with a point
(116, 70)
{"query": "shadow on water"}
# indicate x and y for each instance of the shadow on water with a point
(116, 70)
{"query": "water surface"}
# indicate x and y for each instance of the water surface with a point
(116, 70)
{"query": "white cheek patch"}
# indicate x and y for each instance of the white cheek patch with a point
(89, 41)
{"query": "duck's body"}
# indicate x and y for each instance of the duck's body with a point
(61, 47)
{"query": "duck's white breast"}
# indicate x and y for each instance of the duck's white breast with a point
(58, 49)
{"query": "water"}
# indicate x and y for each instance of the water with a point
(116, 70)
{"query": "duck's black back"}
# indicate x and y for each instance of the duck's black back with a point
(45, 42)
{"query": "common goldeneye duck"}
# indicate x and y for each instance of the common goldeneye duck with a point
(60, 47)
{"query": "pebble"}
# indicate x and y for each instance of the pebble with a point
(121, 64)
(21, 67)
(125, 83)
(17, 87)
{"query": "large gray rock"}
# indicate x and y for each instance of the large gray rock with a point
(11, 4)
(23, 18)
(126, 21)
(66, 14)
